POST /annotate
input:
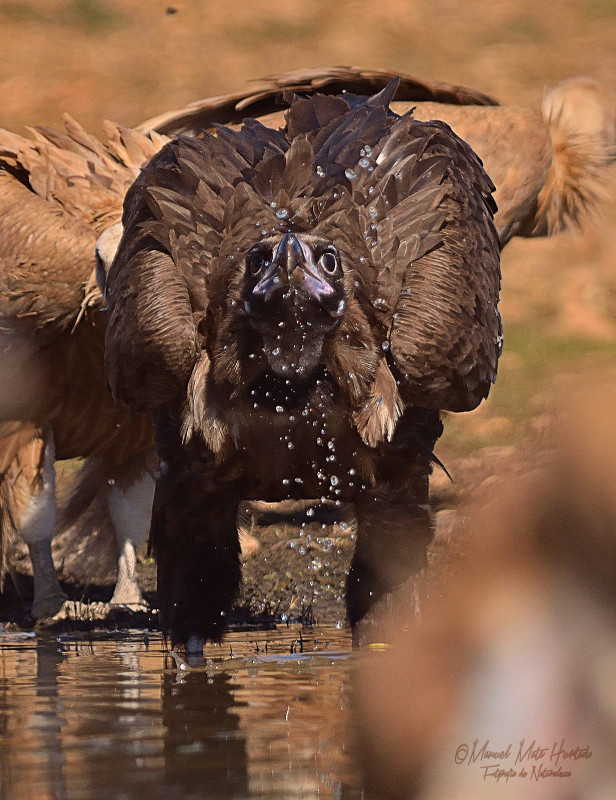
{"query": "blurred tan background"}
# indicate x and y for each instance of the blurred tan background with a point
(130, 60)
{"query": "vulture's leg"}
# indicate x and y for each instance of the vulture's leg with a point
(194, 539)
(394, 522)
(37, 519)
(196, 544)
(130, 510)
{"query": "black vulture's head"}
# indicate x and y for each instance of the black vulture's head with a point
(294, 295)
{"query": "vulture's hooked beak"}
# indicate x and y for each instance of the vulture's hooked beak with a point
(292, 266)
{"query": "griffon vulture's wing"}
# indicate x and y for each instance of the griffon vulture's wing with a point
(58, 190)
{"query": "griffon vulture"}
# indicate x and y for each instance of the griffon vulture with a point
(58, 192)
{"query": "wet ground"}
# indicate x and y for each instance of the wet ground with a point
(112, 715)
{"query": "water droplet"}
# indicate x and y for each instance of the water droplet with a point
(364, 162)
(279, 409)
(282, 213)
(368, 150)
(276, 351)
(310, 512)
(350, 173)
(320, 171)
(285, 481)
(290, 445)
(373, 212)
(351, 472)
(263, 233)
(273, 205)
(334, 480)
(385, 345)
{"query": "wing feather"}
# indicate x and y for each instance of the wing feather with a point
(427, 214)
(407, 204)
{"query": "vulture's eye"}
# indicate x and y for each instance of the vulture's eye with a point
(256, 262)
(329, 262)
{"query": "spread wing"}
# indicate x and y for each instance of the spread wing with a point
(406, 203)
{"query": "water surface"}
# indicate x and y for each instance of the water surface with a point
(114, 716)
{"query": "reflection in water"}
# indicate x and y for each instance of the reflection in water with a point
(205, 755)
(116, 718)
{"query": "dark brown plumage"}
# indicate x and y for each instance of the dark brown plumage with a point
(296, 307)
(549, 167)
(60, 189)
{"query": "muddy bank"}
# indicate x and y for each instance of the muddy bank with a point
(294, 564)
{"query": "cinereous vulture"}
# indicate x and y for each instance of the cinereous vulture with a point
(61, 189)
(295, 307)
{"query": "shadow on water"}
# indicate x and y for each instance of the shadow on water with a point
(116, 717)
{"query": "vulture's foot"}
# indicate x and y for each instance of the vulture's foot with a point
(48, 605)
(127, 592)
(96, 612)
(391, 549)
(74, 611)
